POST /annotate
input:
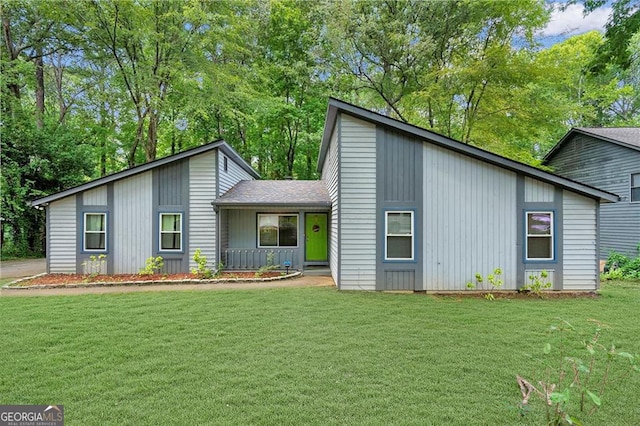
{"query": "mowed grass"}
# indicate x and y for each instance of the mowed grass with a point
(298, 356)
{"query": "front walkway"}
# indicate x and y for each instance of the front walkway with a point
(303, 281)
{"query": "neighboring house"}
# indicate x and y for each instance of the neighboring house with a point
(398, 208)
(607, 158)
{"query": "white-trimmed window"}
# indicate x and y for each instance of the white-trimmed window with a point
(399, 232)
(170, 231)
(634, 196)
(277, 230)
(539, 236)
(95, 232)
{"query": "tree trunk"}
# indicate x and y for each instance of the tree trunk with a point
(150, 147)
(39, 63)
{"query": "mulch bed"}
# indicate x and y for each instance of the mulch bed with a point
(547, 294)
(75, 279)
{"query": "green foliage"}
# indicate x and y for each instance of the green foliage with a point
(619, 266)
(269, 266)
(153, 265)
(94, 266)
(201, 270)
(577, 371)
(494, 280)
(537, 283)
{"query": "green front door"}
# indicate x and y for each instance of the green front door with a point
(316, 231)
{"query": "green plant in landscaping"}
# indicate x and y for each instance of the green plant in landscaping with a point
(201, 269)
(494, 281)
(94, 266)
(269, 265)
(574, 385)
(152, 265)
(619, 266)
(537, 283)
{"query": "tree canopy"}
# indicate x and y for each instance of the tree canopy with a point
(92, 87)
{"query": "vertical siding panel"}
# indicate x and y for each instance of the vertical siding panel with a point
(330, 178)
(470, 220)
(62, 236)
(358, 204)
(233, 175)
(95, 197)
(202, 218)
(132, 223)
(536, 191)
(579, 234)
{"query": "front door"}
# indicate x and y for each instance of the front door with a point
(316, 232)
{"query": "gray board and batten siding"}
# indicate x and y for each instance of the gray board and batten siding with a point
(133, 200)
(589, 156)
(469, 207)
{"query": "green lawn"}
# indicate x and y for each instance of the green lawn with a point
(297, 356)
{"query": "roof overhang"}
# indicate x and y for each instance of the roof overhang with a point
(336, 107)
(575, 131)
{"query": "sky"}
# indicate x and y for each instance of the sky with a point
(572, 21)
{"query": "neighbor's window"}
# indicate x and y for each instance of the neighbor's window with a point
(539, 236)
(171, 231)
(277, 230)
(399, 235)
(635, 188)
(95, 231)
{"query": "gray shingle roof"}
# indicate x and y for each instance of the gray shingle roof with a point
(628, 135)
(281, 193)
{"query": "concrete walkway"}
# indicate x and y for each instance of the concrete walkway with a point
(303, 281)
(22, 268)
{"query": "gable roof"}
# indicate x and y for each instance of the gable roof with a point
(624, 136)
(337, 106)
(276, 193)
(219, 144)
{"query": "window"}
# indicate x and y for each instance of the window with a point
(635, 188)
(539, 236)
(399, 235)
(95, 232)
(277, 230)
(171, 231)
(225, 164)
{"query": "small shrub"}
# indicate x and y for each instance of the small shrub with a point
(494, 281)
(269, 266)
(619, 266)
(93, 266)
(573, 384)
(538, 283)
(152, 265)
(201, 269)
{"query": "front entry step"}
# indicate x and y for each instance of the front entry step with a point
(322, 271)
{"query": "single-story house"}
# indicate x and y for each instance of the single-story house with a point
(607, 158)
(397, 208)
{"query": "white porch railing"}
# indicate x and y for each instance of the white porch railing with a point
(256, 258)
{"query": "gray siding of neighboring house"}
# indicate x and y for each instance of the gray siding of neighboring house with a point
(357, 208)
(469, 222)
(61, 238)
(233, 175)
(330, 177)
(133, 223)
(607, 166)
(580, 252)
(399, 188)
(171, 195)
(202, 218)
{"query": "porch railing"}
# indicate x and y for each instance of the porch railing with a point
(256, 258)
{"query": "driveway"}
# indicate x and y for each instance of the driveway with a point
(22, 268)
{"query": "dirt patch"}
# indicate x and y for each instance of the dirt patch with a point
(75, 279)
(549, 294)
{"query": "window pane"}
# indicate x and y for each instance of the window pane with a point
(95, 222)
(635, 194)
(399, 223)
(268, 221)
(268, 236)
(95, 241)
(539, 247)
(399, 247)
(288, 231)
(170, 222)
(170, 241)
(635, 180)
(539, 223)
